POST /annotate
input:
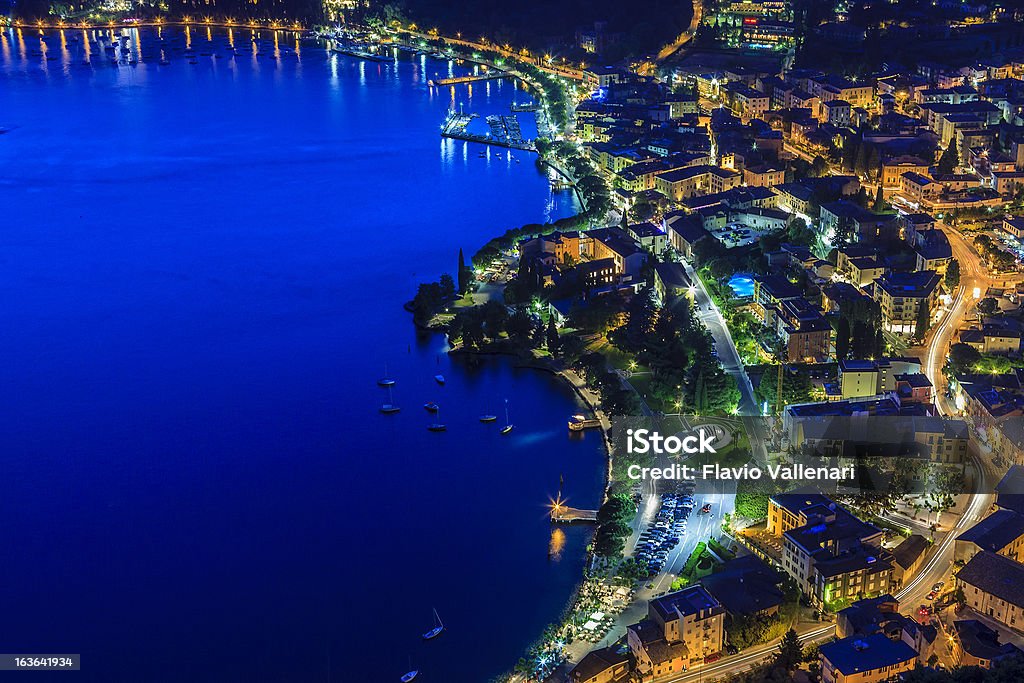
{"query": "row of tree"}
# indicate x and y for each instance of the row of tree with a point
(613, 519)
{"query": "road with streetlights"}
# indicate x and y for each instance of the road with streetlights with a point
(729, 357)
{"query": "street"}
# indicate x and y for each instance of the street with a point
(729, 357)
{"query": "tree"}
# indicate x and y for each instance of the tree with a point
(447, 287)
(842, 338)
(924, 320)
(426, 302)
(790, 652)
(879, 205)
(949, 160)
(988, 306)
(962, 358)
(551, 336)
(952, 275)
(819, 167)
(874, 167)
(495, 315)
(519, 325)
(464, 273)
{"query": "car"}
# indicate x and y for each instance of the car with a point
(706, 508)
(931, 596)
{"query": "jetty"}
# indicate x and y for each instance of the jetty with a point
(359, 54)
(472, 78)
(577, 423)
(525, 107)
(562, 514)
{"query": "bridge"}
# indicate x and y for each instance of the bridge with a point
(472, 78)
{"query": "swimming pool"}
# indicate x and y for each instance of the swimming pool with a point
(742, 285)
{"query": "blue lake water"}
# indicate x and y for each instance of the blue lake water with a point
(202, 269)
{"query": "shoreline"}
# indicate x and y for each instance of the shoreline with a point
(580, 391)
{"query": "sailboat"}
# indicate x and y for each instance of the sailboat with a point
(385, 381)
(436, 426)
(389, 407)
(508, 425)
(411, 674)
(436, 631)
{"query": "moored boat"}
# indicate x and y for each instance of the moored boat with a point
(437, 630)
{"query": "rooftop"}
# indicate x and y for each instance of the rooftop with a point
(689, 601)
(745, 585)
(909, 550)
(996, 531)
(996, 575)
(597, 662)
(859, 654)
(918, 284)
(982, 642)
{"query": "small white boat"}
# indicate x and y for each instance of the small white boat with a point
(488, 418)
(410, 676)
(431, 407)
(437, 425)
(508, 425)
(437, 630)
(385, 381)
(389, 407)
(439, 379)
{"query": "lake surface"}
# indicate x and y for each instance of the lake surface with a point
(202, 268)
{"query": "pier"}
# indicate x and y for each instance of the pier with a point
(561, 514)
(358, 54)
(526, 107)
(472, 78)
(577, 423)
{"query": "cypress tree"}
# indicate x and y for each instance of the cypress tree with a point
(552, 336)
(463, 273)
(949, 160)
(923, 320)
(843, 338)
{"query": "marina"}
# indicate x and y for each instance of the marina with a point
(504, 131)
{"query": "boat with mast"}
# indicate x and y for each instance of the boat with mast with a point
(437, 425)
(437, 630)
(411, 674)
(386, 381)
(508, 425)
(389, 407)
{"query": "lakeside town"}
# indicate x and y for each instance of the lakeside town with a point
(778, 252)
(783, 252)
